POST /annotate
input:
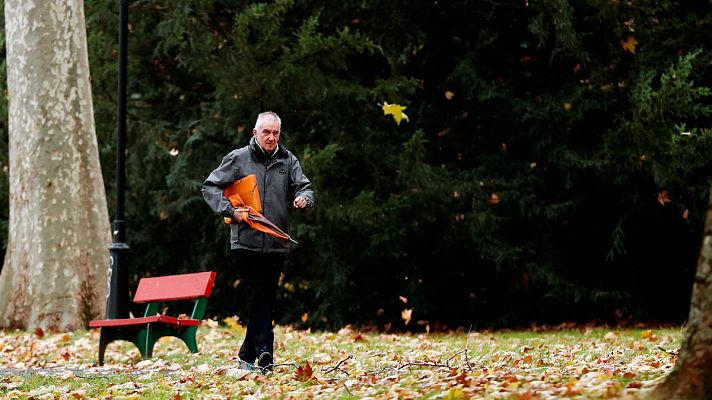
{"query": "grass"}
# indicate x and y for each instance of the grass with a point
(579, 363)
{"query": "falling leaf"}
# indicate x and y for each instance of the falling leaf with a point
(629, 44)
(406, 315)
(234, 324)
(305, 317)
(493, 199)
(444, 132)
(567, 106)
(403, 299)
(449, 95)
(396, 111)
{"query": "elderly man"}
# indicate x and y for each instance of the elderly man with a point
(259, 257)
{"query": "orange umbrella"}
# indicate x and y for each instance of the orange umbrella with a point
(251, 216)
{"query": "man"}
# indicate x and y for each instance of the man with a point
(259, 257)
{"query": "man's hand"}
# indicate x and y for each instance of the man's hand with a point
(300, 202)
(237, 215)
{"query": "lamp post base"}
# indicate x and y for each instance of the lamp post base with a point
(117, 300)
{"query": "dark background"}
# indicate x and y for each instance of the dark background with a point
(522, 190)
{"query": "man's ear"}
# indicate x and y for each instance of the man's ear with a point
(254, 132)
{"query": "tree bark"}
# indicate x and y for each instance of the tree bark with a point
(692, 376)
(55, 274)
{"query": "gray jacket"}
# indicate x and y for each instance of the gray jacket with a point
(280, 180)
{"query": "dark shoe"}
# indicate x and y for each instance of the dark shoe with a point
(264, 361)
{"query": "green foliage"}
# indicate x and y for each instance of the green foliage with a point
(539, 134)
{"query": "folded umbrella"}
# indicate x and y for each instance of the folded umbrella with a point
(258, 222)
(248, 190)
(253, 217)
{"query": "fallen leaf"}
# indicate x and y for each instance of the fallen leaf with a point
(359, 338)
(304, 372)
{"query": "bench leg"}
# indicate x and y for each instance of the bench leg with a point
(145, 340)
(187, 335)
(147, 337)
(105, 337)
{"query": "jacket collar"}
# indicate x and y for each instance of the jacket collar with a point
(260, 154)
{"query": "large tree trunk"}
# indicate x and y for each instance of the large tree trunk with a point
(692, 376)
(55, 274)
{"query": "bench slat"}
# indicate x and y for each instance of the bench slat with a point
(175, 287)
(165, 319)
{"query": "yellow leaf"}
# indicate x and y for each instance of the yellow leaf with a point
(396, 111)
(234, 324)
(454, 394)
(629, 44)
(406, 315)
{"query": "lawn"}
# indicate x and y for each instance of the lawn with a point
(583, 363)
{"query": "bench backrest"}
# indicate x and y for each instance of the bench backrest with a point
(175, 287)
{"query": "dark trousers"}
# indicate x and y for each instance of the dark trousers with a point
(260, 274)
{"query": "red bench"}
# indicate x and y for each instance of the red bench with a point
(145, 331)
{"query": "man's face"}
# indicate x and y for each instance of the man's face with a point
(267, 134)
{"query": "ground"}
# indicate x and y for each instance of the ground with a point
(578, 363)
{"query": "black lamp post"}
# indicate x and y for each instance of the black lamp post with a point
(117, 303)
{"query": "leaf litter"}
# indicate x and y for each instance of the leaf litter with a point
(583, 363)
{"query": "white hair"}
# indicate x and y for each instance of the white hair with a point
(267, 114)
